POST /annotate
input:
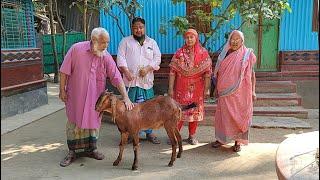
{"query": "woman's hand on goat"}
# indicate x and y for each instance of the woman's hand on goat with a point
(128, 103)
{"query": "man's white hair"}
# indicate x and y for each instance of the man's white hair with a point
(96, 32)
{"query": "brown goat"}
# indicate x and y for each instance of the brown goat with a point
(161, 111)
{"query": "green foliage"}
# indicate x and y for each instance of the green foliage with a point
(181, 22)
(39, 6)
(92, 5)
(249, 10)
(271, 9)
(128, 7)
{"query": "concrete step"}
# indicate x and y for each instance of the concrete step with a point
(276, 87)
(287, 76)
(161, 86)
(284, 111)
(275, 99)
(299, 67)
(266, 76)
(261, 86)
(268, 122)
(278, 99)
(279, 122)
(279, 111)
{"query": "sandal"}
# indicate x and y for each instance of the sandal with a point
(95, 155)
(216, 144)
(192, 141)
(71, 156)
(152, 138)
(236, 148)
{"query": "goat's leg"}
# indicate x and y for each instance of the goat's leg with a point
(123, 142)
(179, 139)
(135, 149)
(173, 140)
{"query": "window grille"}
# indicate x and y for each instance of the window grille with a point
(17, 24)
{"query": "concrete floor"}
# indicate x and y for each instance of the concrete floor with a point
(34, 151)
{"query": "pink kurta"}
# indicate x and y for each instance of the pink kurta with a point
(87, 75)
(234, 112)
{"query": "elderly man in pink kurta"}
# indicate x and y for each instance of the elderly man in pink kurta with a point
(235, 92)
(82, 79)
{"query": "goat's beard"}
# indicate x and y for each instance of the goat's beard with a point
(96, 51)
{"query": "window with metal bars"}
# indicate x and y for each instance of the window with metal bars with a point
(17, 25)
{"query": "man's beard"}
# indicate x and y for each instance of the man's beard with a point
(97, 52)
(139, 38)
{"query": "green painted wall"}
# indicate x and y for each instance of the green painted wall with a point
(48, 59)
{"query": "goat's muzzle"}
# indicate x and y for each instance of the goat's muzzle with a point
(106, 102)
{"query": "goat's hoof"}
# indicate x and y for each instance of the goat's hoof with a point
(170, 164)
(134, 168)
(116, 163)
(179, 156)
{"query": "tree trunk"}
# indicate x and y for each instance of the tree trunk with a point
(85, 7)
(53, 43)
(259, 41)
(62, 28)
(88, 26)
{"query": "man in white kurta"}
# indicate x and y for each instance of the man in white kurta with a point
(138, 56)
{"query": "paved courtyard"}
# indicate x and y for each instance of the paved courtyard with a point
(34, 151)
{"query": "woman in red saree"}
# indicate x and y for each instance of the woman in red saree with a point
(189, 81)
(235, 92)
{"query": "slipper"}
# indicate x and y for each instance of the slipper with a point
(95, 155)
(71, 156)
(236, 148)
(216, 144)
(192, 141)
(152, 138)
(168, 142)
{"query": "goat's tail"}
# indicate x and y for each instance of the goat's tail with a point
(178, 111)
(177, 114)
